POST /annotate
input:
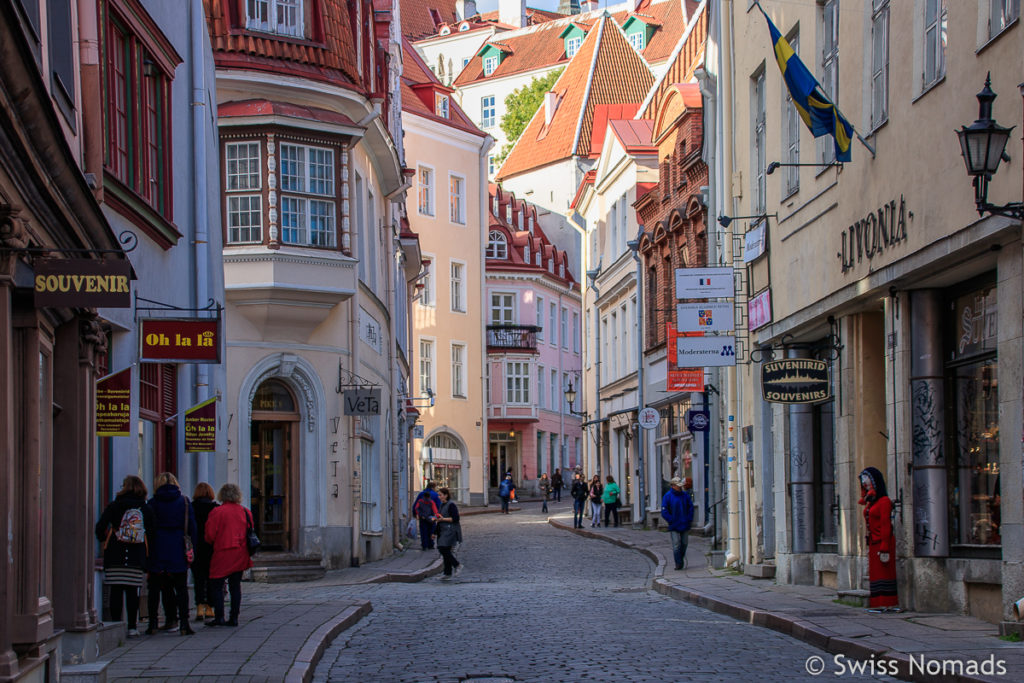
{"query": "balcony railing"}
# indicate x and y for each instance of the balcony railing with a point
(512, 337)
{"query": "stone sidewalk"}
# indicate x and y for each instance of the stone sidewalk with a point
(924, 646)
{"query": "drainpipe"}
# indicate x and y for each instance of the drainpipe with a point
(640, 505)
(592, 275)
(561, 394)
(485, 203)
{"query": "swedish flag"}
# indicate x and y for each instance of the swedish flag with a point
(820, 115)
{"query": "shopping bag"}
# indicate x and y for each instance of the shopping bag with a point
(411, 528)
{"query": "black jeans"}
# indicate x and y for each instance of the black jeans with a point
(558, 493)
(175, 584)
(426, 531)
(450, 563)
(217, 593)
(613, 510)
(128, 596)
(200, 581)
(577, 511)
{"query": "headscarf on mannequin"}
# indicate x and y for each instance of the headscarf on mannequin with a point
(872, 485)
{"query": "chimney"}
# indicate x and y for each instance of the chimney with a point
(512, 12)
(464, 9)
(588, 5)
(551, 100)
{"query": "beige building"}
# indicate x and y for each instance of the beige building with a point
(448, 155)
(883, 268)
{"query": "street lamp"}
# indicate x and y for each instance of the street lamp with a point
(570, 398)
(983, 145)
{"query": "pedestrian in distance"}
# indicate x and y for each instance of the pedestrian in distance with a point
(449, 534)
(579, 500)
(124, 530)
(505, 493)
(677, 511)
(611, 501)
(425, 510)
(203, 504)
(227, 529)
(557, 484)
(170, 553)
(595, 491)
(544, 484)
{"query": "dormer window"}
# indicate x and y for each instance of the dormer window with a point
(572, 44)
(497, 247)
(537, 258)
(508, 212)
(490, 64)
(639, 32)
(551, 266)
(531, 224)
(561, 270)
(275, 16)
(441, 105)
(445, 30)
(464, 26)
(520, 220)
(526, 252)
(638, 41)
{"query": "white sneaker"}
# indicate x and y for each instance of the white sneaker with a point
(445, 577)
(133, 633)
(458, 570)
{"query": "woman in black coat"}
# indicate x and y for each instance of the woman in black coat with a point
(202, 504)
(168, 566)
(124, 529)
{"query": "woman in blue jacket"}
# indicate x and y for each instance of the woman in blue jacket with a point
(168, 565)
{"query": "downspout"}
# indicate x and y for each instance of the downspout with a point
(364, 232)
(561, 409)
(485, 203)
(92, 101)
(640, 505)
(732, 555)
(597, 373)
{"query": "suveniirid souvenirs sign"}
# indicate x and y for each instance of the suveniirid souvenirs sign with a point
(85, 283)
(795, 380)
(191, 340)
(873, 234)
(114, 404)
(201, 427)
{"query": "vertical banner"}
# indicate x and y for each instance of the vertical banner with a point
(201, 427)
(113, 404)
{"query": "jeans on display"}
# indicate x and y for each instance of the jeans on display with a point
(679, 546)
(426, 530)
(450, 563)
(577, 512)
(124, 596)
(217, 593)
(595, 513)
(177, 582)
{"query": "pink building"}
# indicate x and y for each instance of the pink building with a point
(533, 346)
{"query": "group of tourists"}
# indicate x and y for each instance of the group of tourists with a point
(158, 540)
(437, 516)
(607, 496)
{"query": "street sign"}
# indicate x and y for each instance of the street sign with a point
(795, 380)
(362, 401)
(706, 352)
(698, 420)
(704, 283)
(648, 418)
(711, 317)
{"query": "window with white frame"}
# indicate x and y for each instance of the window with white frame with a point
(1002, 13)
(275, 16)
(441, 106)
(829, 67)
(540, 318)
(572, 45)
(490, 64)
(427, 294)
(757, 190)
(879, 62)
(565, 328)
(517, 382)
(426, 191)
(790, 134)
(935, 16)
(458, 370)
(526, 252)
(491, 165)
(613, 225)
(503, 309)
(426, 366)
(306, 174)
(638, 40)
(627, 358)
(553, 323)
(242, 184)
(497, 246)
(575, 332)
(458, 287)
(487, 112)
(614, 360)
(541, 392)
(554, 390)
(457, 199)
(606, 365)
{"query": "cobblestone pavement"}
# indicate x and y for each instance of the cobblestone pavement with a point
(535, 603)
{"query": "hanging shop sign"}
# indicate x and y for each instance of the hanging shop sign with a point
(201, 427)
(698, 420)
(709, 317)
(114, 404)
(706, 352)
(795, 380)
(362, 401)
(759, 309)
(704, 283)
(686, 379)
(870, 236)
(180, 340)
(755, 242)
(417, 431)
(85, 283)
(648, 418)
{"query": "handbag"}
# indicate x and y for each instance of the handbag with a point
(252, 541)
(190, 553)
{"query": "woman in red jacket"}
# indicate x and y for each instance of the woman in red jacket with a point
(226, 529)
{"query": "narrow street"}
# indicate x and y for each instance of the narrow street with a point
(538, 604)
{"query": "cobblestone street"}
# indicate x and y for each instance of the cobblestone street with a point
(535, 603)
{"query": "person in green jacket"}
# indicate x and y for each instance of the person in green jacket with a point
(611, 501)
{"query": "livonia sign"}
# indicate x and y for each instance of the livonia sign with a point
(873, 234)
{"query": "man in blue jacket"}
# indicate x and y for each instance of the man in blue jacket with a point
(677, 511)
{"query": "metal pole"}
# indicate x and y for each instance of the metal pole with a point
(640, 514)
(592, 275)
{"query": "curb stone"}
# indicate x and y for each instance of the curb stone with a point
(301, 670)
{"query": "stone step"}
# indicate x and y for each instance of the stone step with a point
(92, 672)
(759, 571)
(857, 596)
(286, 567)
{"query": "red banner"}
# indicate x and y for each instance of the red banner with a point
(686, 379)
(201, 427)
(192, 340)
(114, 404)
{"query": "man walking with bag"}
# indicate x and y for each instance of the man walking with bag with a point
(677, 511)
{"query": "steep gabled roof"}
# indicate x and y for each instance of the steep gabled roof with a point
(415, 73)
(603, 113)
(687, 55)
(537, 240)
(605, 70)
(422, 19)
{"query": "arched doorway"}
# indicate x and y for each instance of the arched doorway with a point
(274, 465)
(442, 462)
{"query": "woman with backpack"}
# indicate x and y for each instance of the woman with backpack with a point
(203, 504)
(595, 501)
(449, 532)
(174, 539)
(227, 530)
(124, 529)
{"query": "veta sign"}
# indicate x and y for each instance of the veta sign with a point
(201, 427)
(795, 380)
(190, 340)
(362, 401)
(873, 234)
(86, 283)
(114, 404)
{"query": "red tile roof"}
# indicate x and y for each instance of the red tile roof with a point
(415, 72)
(635, 135)
(605, 70)
(286, 109)
(518, 239)
(608, 112)
(687, 55)
(419, 22)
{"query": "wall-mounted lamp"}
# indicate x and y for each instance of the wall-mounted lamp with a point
(777, 164)
(726, 221)
(983, 145)
(570, 398)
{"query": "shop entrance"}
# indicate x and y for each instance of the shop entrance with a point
(272, 465)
